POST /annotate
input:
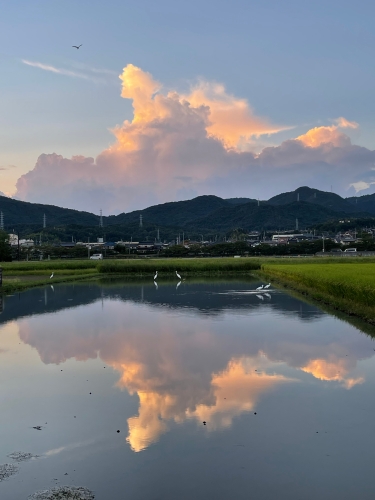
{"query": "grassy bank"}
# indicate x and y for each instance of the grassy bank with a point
(21, 275)
(183, 266)
(346, 286)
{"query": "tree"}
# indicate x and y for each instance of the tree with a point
(5, 252)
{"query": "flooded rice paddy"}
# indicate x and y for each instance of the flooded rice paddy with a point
(180, 391)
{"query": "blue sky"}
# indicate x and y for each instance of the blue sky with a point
(299, 64)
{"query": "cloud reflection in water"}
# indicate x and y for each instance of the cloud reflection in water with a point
(183, 366)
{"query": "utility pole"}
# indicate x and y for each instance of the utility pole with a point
(44, 221)
(323, 244)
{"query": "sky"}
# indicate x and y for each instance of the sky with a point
(167, 100)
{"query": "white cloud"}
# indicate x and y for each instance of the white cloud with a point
(84, 74)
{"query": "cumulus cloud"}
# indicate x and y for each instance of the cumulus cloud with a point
(178, 146)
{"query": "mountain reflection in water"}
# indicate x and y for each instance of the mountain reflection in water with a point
(204, 351)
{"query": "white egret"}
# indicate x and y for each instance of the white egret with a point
(51, 276)
(260, 287)
(178, 276)
(267, 286)
(156, 275)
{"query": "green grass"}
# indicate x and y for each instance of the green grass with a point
(347, 286)
(23, 275)
(48, 265)
(185, 266)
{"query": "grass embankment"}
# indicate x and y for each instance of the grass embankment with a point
(347, 286)
(22, 275)
(168, 267)
(19, 276)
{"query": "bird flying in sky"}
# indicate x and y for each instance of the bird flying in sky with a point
(77, 46)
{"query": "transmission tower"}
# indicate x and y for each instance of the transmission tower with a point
(101, 218)
(141, 221)
(44, 221)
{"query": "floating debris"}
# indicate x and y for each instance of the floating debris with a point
(20, 456)
(64, 493)
(7, 470)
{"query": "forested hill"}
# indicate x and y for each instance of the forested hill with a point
(176, 213)
(22, 212)
(204, 213)
(265, 216)
(325, 199)
(365, 203)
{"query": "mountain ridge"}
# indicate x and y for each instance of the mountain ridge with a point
(206, 213)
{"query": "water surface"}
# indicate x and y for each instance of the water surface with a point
(286, 391)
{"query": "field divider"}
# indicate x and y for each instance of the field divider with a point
(350, 289)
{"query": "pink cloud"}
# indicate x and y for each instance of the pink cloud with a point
(179, 146)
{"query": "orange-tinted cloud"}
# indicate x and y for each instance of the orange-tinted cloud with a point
(319, 136)
(231, 120)
(180, 145)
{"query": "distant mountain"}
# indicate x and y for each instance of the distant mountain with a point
(365, 203)
(21, 212)
(240, 201)
(328, 200)
(266, 216)
(201, 215)
(176, 213)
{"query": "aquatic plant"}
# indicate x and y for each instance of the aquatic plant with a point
(63, 493)
(7, 470)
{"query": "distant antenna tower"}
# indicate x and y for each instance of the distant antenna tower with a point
(296, 224)
(1, 220)
(141, 221)
(101, 218)
(44, 221)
